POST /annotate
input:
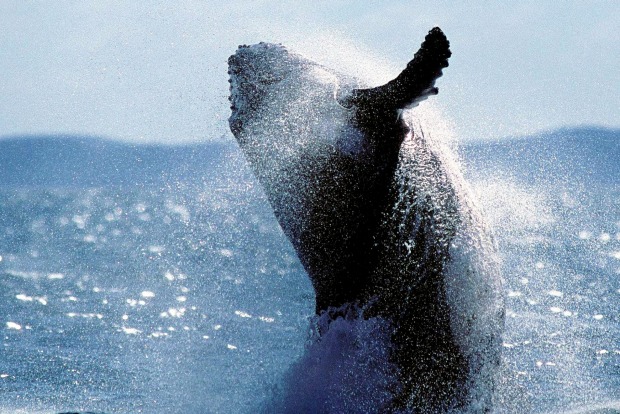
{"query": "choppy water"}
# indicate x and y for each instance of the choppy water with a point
(561, 254)
(189, 298)
(141, 300)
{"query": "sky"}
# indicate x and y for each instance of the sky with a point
(155, 71)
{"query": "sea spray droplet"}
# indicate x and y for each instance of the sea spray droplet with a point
(156, 249)
(226, 252)
(13, 325)
(584, 235)
(24, 298)
(242, 314)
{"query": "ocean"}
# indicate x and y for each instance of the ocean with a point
(155, 279)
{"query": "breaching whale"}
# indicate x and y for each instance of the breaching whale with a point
(379, 216)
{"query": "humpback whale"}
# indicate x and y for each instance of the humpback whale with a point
(378, 214)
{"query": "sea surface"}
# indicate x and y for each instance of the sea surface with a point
(156, 283)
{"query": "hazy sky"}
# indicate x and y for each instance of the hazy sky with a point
(156, 71)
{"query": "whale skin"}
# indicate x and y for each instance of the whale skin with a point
(379, 215)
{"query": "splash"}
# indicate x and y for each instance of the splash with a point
(346, 368)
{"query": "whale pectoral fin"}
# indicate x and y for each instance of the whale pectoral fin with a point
(412, 85)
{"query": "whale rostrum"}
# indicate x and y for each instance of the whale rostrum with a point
(379, 216)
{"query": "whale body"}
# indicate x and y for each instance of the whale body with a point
(378, 214)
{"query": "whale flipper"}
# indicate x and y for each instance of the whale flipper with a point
(379, 218)
(414, 84)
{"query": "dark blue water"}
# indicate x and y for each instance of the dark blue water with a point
(182, 294)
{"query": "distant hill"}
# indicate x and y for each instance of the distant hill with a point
(577, 154)
(74, 161)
